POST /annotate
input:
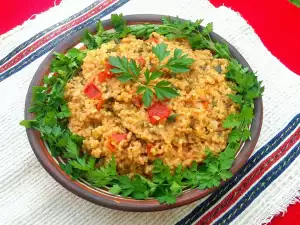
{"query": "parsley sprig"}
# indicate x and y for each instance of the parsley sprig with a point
(51, 111)
(128, 70)
(295, 2)
(50, 107)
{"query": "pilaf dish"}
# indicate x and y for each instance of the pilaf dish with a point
(146, 111)
(123, 126)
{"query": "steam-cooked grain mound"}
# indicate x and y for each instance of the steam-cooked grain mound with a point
(116, 122)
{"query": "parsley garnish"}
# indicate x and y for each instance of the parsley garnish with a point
(179, 63)
(119, 24)
(51, 111)
(90, 41)
(127, 70)
(295, 2)
(161, 51)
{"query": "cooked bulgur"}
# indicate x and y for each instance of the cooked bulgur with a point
(121, 126)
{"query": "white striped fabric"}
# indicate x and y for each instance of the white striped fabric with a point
(263, 188)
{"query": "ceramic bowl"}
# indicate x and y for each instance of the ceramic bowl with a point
(101, 196)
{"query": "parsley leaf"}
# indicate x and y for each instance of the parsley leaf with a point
(236, 98)
(147, 97)
(118, 22)
(72, 150)
(160, 50)
(27, 123)
(115, 189)
(143, 31)
(100, 28)
(154, 75)
(126, 69)
(83, 164)
(89, 40)
(168, 199)
(104, 175)
(295, 2)
(179, 63)
(207, 29)
(164, 90)
(175, 28)
(232, 121)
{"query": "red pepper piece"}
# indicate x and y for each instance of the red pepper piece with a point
(91, 90)
(158, 112)
(118, 137)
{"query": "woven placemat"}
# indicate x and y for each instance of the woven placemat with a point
(263, 188)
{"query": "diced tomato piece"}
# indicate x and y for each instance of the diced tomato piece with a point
(111, 147)
(158, 112)
(91, 90)
(102, 76)
(109, 74)
(106, 74)
(205, 104)
(118, 137)
(137, 101)
(153, 40)
(108, 67)
(141, 60)
(149, 146)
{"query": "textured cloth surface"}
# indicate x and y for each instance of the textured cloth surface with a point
(28, 195)
(266, 20)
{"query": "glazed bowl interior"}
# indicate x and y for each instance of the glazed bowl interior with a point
(101, 196)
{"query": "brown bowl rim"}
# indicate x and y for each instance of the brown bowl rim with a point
(114, 201)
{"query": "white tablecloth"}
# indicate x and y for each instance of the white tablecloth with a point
(28, 195)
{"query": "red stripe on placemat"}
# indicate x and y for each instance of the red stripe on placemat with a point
(53, 34)
(248, 181)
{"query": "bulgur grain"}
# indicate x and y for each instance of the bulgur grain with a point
(201, 109)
